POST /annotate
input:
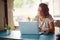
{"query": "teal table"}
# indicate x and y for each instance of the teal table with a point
(39, 37)
(13, 35)
(17, 35)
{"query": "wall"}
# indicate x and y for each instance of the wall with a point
(57, 7)
(1, 15)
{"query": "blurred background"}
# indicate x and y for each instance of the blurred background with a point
(14, 11)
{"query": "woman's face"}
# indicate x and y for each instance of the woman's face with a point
(40, 12)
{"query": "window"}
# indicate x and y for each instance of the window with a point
(57, 9)
(24, 9)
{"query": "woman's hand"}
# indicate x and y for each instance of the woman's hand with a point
(40, 30)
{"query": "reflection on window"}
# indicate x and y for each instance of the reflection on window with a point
(24, 9)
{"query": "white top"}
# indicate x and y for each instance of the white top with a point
(44, 24)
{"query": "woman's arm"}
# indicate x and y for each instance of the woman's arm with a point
(51, 27)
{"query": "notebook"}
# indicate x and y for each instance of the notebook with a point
(29, 27)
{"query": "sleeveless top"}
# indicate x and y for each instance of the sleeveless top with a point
(44, 25)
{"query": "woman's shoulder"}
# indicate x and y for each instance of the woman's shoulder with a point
(49, 19)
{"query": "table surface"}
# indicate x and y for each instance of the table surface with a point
(17, 35)
(13, 35)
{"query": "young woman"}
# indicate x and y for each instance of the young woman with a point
(45, 20)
